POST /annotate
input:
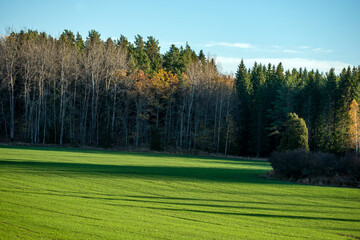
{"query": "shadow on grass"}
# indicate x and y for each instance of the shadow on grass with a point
(256, 214)
(157, 198)
(199, 173)
(209, 202)
(219, 208)
(223, 206)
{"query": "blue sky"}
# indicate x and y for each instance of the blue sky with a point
(312, 34)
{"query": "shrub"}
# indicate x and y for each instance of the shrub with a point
(301, 163)
(295, 135)
(316, 168)
(353, 165)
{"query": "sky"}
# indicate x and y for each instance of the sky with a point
(313, 34)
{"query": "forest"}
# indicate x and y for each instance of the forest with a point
(115, 93)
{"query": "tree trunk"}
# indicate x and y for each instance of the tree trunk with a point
(5, 125)
(189, 116)
(181, 123)
(12, 108)
(113, 110)
(220, 116)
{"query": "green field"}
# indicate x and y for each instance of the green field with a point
(54, 193)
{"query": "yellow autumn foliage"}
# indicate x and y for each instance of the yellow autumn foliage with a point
(354, 125)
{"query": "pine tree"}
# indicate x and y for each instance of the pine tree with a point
(188, 55)
(173, 61)
(202, 57)
(152, 50)
(79, 41)
(142, 59)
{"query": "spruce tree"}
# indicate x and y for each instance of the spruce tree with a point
(173, 61)
(152, 50)
(244, 93)
(140, 55)
(258, 111)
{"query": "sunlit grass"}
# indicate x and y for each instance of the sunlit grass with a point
(54, 193)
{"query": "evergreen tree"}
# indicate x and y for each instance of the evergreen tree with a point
(327, 120)
(244, 92)
(188, 55)
(173, 61)
(202, 57)
(93, 37)
(139, 53)
(79, 41)
(152, 50)
(295, 135)
(258, 111)
(282, 106)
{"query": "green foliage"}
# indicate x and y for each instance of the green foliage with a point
(188, 55)
(79, 42)
(68, 36)
(173, 61)
(139, 53)
(282, 105)
(243, 85)
(152, 50)
(257, 77)
(93, 37)
(295, 135)
(244, 91)
(258, 110)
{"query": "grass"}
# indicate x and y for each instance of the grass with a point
(54, 193)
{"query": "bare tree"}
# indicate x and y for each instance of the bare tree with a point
(9, 58)
(94, 70)
(67, 62)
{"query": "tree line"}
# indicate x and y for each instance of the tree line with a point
(327, 102)
(114, 93)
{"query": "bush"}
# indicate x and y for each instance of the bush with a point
(295, 135)
(316, 168)
(303, 164)
(352, 162)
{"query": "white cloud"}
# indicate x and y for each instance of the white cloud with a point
(290, 51)
(226, 44)
(304, 47)
(322, 50)
(230, 64)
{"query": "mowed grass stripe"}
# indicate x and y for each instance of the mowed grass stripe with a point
(55, 193)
